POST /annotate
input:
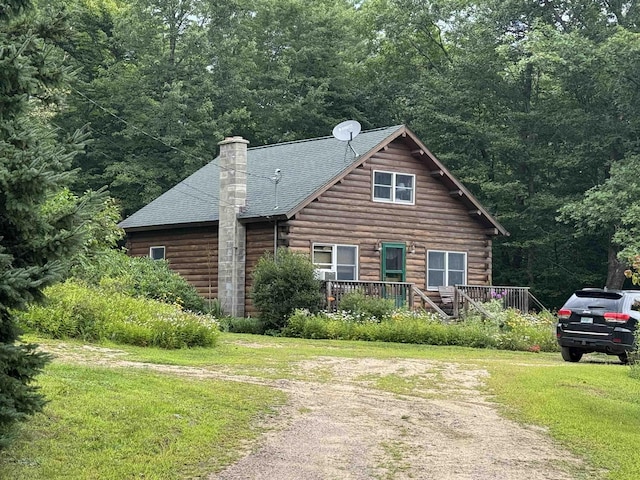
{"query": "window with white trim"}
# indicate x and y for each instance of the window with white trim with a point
(394, 187)
(446, 269)
(156, 253)
(339, 261)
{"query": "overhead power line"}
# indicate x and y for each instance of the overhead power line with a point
(159, 140)
(172, 147)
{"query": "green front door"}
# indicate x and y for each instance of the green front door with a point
(393, 270)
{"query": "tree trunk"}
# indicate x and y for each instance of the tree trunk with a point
(528, 86)
(615, 269)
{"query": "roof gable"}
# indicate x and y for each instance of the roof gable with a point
(308, 168)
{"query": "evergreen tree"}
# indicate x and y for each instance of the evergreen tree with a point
(35, 240)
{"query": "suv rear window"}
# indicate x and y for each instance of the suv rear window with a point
(612, 302)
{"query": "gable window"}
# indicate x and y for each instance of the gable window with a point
(446, 269)
(339, 262)
(156, 253)
(393, 187)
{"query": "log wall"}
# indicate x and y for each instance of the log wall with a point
(193, 253)
(260, 239)
(346, 214)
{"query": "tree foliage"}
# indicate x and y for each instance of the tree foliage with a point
(530, 107)
(36, 242)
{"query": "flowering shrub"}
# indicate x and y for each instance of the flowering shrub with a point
(510, 330)
(634, 274)
(533, 333)
(75, 310)
(514, 330)
(140, 277)
(361, 305)
(402, 326)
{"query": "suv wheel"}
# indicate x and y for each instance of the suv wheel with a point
(571, 354)
(624, 358)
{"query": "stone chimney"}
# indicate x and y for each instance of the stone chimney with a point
(231, 233)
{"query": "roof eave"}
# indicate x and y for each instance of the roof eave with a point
(168, 226)
(458, 188)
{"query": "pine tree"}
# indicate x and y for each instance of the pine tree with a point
(35, 239)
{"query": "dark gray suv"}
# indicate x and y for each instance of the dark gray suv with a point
(597, 320)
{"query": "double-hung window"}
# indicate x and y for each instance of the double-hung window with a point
(336, 261)
(446, 269)
(156, 253)
(394, 187)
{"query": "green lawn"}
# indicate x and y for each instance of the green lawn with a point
(593, 408)
(105, 423)
(125, 423)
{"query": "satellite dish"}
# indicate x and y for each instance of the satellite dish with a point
(346, 131)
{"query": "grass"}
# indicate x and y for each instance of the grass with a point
(118, 424)
(593, 408)
(196, 425)
(396, 462)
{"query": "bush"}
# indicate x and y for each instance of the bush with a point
(243, 325)
(517, 330)
(519, 333)
(634, 357)
(359, 304)
(75, 310)
(283, 284)
(140, 277)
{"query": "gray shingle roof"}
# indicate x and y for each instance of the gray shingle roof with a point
(306, 166)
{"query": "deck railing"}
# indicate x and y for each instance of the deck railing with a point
(406, 294)
(519, 298)
(509, 297)
(400, 292)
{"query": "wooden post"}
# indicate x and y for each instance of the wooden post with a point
(410, 295)
(456, 299)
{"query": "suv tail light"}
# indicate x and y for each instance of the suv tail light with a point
(564, 314)
(614, 317)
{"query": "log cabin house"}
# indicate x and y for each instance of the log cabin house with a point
(381, 208)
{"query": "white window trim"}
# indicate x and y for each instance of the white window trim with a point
(446, 268)
(393, 188)
(334, 257)
(164, 252)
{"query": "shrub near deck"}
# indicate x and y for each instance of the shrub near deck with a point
(75, 310)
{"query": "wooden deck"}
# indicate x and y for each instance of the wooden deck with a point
(450, 303)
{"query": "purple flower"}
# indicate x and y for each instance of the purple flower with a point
(498, 295)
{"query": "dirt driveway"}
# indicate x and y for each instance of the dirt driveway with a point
(387, 419)
(348, 429)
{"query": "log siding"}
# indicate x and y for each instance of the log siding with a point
(347, 214)
(192, 252)
(260, 239)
